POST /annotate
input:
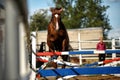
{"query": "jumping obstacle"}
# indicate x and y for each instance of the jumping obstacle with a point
(74, 70)
(80, 70)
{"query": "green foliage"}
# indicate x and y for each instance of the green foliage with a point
(39, 20)
(84, 14)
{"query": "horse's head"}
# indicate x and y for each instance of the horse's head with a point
(56, 18)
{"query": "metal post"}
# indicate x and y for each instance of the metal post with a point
(113, 47)
(80, 56)
(11, 42)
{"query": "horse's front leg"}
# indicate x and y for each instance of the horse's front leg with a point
(65, 45)
(51, 49)
(65, 48)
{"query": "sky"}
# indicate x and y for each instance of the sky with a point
(113, 12)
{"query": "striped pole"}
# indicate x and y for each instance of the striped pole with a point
(109, 61)
(60, 62)
(45, 59)
(78, 52)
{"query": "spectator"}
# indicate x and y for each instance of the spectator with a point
(101, 46)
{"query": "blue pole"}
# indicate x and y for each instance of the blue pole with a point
(79, 71)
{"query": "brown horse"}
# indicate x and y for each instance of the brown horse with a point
(57, 37)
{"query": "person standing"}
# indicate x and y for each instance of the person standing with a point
(101, 46)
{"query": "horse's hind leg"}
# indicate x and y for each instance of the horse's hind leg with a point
(54, 65)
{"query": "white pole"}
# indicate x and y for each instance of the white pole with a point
(113, 48)
(33, 37)
(79, 44)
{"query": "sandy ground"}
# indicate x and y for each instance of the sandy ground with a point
(97, 77)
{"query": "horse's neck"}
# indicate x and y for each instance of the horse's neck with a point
(55, 23)
(59, 24)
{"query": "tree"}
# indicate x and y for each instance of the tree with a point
(39, 20)
(84, 14)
